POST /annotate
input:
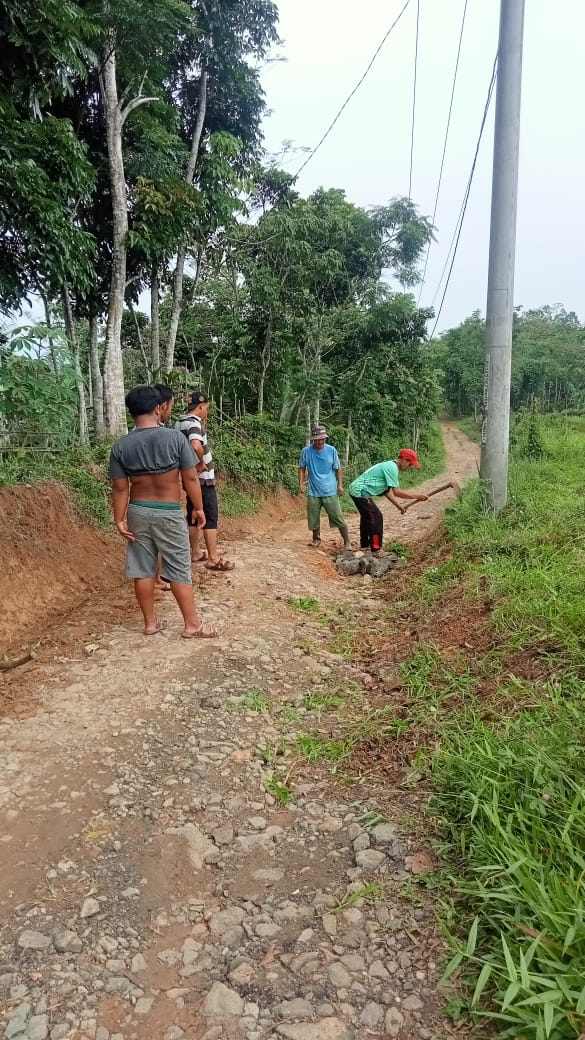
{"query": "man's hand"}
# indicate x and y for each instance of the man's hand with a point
(422, 498)
(123, 530)
(201, 521)
(301, 489)
(340, 490)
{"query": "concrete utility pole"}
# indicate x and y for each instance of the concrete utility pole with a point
(500, 296)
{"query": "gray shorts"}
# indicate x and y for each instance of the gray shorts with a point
(157, 531)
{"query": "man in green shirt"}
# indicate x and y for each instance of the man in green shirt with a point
(381, 479)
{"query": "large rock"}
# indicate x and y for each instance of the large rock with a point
(297, 1008)
(30, 940)
(66, 941)
(224, 920)
(201, 849)
(222, 1002)
(349, 563)
(326, 1029)
(377, 568)
(394, 1022)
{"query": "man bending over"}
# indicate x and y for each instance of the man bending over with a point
(145, 467)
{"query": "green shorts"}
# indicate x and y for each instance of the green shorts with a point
(332, 507)
(157, 531)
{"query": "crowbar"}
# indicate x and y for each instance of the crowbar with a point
(436, 491)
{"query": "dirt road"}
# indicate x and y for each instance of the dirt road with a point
(156, 882)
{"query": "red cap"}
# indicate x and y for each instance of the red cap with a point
(410, 456)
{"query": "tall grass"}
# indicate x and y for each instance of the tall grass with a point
(510, 796)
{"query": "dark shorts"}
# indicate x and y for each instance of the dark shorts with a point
(210, 508)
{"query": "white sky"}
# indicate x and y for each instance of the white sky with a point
(328, 44)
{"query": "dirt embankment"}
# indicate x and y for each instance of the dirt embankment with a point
(52, 561)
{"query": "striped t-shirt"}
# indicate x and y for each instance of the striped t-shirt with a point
(192, 427)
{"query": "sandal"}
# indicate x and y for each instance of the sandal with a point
(200, 559)
(203, 632)
(160, 627)
(221, 565)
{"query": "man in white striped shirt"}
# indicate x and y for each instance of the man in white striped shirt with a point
(193, 426)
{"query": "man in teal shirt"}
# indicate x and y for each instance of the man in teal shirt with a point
(381, 479)
(320, 462)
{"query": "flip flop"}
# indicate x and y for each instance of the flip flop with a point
(221, 565)
(315, 544)
(160, 627)
(200, 559)
(203, 632)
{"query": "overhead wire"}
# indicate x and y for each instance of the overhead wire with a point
(447, 128)
(459, 225)
(414, 98)
(354, 91)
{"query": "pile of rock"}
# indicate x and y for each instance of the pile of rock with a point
(349, 563)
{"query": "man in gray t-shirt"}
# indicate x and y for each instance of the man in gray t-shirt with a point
(146, 469)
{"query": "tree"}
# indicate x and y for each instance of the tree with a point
(44, 171)
(548, 361)
(144, 33)
(224, 94)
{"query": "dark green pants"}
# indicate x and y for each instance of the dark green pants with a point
(331, 505)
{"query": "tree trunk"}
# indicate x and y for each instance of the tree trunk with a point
(71, 333)
(307, 424)
(49, 324)
(155, 323)
(317, 376)
(347, 440)
(147, 371)
(266, 352)
(96, 379)
(177, 301)
(115, 411)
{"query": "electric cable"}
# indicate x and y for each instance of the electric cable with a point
(436, 206)
(462, 211)
(414, 98)
(353, 92)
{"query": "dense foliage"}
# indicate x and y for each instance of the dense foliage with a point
(548, 362)
(132, 166)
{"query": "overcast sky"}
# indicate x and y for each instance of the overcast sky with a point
(327, 45)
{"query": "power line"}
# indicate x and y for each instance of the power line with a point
(414, 98)
(444, 145)
(354, 91)
(461, 217)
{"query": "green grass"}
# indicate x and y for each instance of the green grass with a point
(471, 428)
(509, 798)
(236, 502)
(497, 728)
(254, 700)
(308, 604)
(81, 471)
(278, 790)
(369, 893)
(317, 748)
